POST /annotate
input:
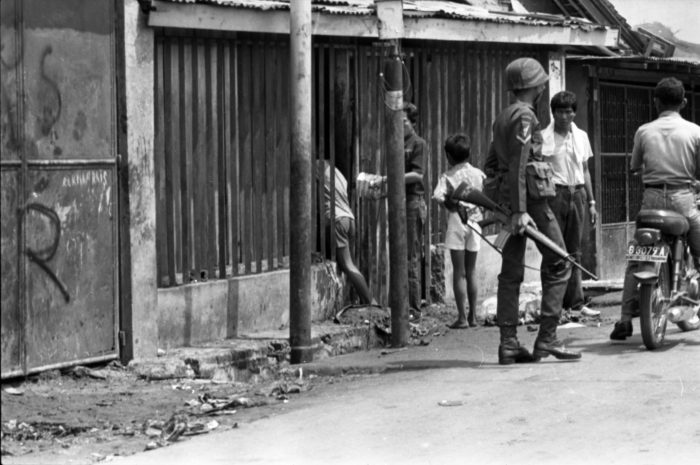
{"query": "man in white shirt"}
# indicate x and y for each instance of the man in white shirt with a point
(567, 148)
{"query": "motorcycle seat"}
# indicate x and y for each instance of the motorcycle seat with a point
(667, 221)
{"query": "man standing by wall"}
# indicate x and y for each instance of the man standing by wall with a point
(568, 149)
(416, 153)
(517, 142)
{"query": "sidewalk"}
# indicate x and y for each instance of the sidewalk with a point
(249, 357)
(341, 349)
(451, 349)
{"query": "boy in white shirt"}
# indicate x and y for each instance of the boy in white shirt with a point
(462, 240)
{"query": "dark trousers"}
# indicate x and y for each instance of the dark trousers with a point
(554, 271)
(569, 207)
(416, 211)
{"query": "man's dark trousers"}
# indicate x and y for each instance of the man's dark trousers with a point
(554, 271)
(569, 207)
(415, 219)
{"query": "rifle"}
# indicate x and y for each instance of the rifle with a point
(465, 192)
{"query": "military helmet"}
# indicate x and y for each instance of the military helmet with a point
(524, 73)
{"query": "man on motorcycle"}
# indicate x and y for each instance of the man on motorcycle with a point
(667, 153)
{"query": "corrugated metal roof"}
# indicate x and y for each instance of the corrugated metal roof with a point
(459, 10)
(603, 12)
(346, 7)
(637, 59)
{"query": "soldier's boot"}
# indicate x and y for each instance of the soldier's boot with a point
(547, 343)
(510, 351)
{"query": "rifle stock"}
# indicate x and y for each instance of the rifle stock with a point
(466, 193)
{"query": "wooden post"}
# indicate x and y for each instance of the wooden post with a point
(398, 245)
(300, 220)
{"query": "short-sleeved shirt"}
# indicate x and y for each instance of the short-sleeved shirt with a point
(667, 150)
(459, 236)
(455, 175)
(342, 204)
(517, 139)
(567, 154)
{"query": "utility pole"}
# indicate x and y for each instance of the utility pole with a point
(390, 17)
(300, 221)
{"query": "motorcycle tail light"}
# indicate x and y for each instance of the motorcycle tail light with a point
(647, 236)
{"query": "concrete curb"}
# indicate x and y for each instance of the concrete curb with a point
(252, 356)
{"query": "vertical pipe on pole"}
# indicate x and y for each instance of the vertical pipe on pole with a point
(300, 220)
(398, 245)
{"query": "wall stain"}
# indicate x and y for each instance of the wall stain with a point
(80, 125)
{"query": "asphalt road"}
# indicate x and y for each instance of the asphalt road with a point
(620, 404)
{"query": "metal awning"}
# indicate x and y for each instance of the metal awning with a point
(423, 19)
(642, 63)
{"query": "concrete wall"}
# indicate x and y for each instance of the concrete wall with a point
(488, 266)
(216, 310)
(139, 210)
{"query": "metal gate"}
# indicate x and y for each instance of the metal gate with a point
(58, 172)
(623, 108)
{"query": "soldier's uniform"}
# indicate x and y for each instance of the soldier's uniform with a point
(516, 140)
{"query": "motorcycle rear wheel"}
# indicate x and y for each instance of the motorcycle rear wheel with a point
(654, 300)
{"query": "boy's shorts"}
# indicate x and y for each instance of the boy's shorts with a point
(344, 231)
(460, 236)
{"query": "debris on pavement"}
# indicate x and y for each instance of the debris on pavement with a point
(450, 403)
(571, 324)
(82, 372)
(211, 405)
(392, 351)
(423, 325)
(178, 425)
(13, 391)
(22, 431)
(528, 308)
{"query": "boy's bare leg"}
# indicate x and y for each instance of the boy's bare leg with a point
(354, 276)
(472, 287)
(459, 287)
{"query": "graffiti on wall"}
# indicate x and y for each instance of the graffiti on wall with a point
(9, 121)
(49, 97)
(43, 256)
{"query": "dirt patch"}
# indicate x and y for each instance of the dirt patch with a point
(90, 414)
(60, 418)
(423, 326)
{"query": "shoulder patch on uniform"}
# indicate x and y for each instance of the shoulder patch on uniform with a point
(524, 132)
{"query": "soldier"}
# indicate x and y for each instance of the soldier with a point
(517, 141)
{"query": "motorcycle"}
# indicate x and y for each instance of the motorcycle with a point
(669, 290)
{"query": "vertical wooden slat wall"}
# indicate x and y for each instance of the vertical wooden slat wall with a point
(221, 157)
(159, 167)
(185, 154)
(222, 143)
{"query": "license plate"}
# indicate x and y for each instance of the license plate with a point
(647, 253)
